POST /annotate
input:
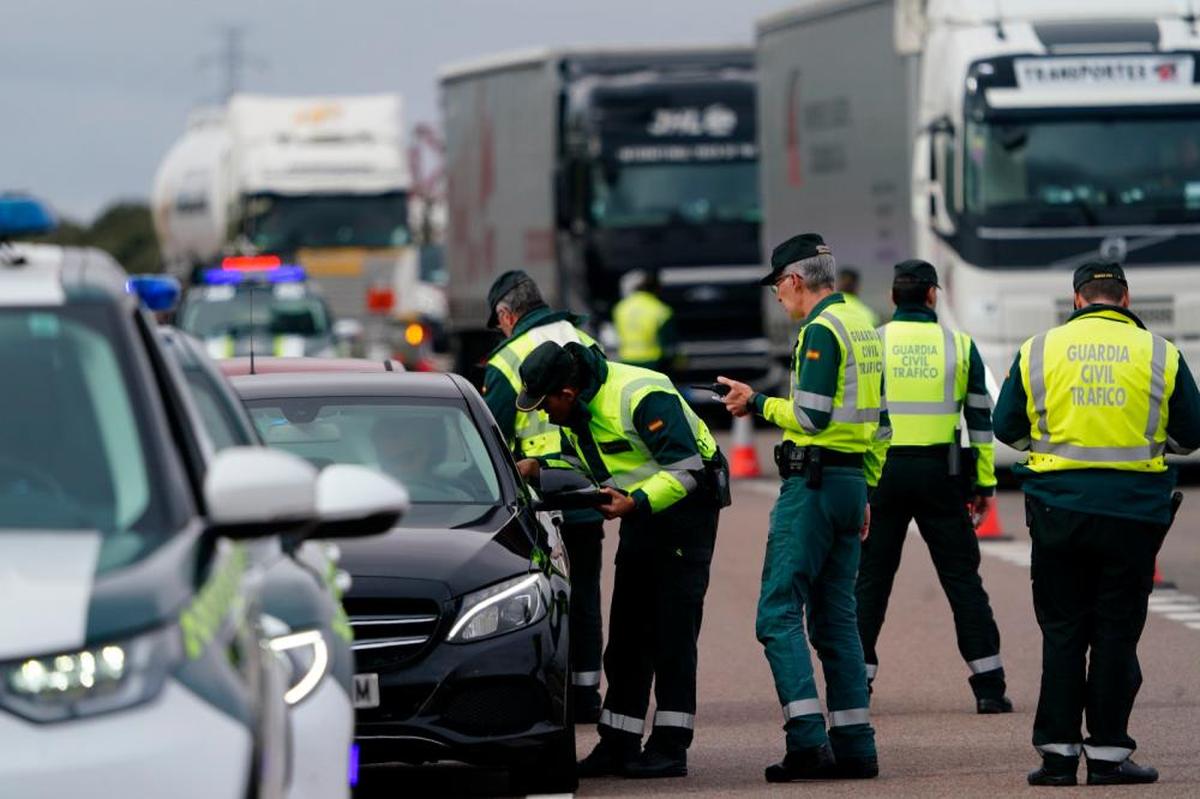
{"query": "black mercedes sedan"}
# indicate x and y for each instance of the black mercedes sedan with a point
(459, 614)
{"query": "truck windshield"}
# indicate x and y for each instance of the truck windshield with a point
(283, 310)
(285, 224)
(1083, 172)
(653, 195)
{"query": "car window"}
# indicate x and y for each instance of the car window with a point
(216, 422)
(73, 448)
(431, 446)
(282, 309)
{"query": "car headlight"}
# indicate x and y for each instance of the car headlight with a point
(501, 608)
(90, 681)
(307, 657)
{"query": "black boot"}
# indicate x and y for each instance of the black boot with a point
(609, 758)
(1105, 772)
(656, 763)
(815, 763)
(855, 768)
(1055, 770)
(586, 704)
(988, 707)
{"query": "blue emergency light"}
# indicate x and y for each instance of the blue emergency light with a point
(24, 216)
(158, 293)
(254, 269)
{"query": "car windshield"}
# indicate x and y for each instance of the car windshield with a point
(73, 451)
(284, 309)
(285, 224)
(432, 447)
(654, 195)
(1072, 172)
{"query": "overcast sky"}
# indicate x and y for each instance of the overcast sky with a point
(93, 92)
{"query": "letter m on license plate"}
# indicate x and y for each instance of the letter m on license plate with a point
(366, 691)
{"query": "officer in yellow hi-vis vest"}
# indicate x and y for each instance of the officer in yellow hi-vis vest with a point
(667, 482)
(934, 378)
(519, 312)
(1097, 402)
(645, 327)
(826, 461)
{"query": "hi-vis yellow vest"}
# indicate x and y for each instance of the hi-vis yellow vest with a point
(856, 403)
(626, 457)
(638, 319)
(925, 366)
(535, 435)
(1097, 390)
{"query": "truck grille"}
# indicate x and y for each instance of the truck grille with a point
(391, 632)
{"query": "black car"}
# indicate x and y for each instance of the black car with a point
(460, 614)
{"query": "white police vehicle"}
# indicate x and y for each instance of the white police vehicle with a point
(257, 304)
(132, 656)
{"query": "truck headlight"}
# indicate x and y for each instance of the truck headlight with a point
(501, 608)
(90, 681)
(307, 657)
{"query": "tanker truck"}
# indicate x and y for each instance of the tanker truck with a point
(318, 182)
(1005, 141)
(589, 167)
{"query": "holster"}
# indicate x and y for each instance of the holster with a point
(794, 461)
(716, 480)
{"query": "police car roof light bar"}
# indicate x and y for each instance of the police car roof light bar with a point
(158, 293)
(251, 263)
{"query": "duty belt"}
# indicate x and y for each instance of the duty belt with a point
(939, 451)
(810, 462)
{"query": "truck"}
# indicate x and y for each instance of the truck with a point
(1005, 141)
(321, 182)
(590, 167)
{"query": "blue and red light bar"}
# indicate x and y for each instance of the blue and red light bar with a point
(253, 268)
(251, 263)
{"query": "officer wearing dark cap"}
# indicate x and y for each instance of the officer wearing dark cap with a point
(517, 309)
(1097, 403)
(829, 421)
(667, 481)
(934, 378)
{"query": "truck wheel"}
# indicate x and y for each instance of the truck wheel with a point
(552, 770)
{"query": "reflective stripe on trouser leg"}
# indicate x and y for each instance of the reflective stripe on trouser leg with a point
(801, 707)
(1109, 754)
(621, 723)
(585, 679)
(1062, 750)
(872, 670)
(845, 718)
(674, 718)
(984, 665)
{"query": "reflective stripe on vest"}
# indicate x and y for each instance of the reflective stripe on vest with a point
(533, 433)
(854, 409)
(638, 319)
(909, 346)
(1097, 394)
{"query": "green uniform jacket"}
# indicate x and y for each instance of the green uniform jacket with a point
(1130, 495)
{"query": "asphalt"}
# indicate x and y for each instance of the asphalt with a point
(931, 743)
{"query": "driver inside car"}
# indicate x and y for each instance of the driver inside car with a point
(409, 449)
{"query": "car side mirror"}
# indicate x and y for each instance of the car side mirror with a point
(255, 492)
(355, 500)
(567, 489)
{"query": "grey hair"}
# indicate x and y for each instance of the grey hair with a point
(523, 298)
(817, 272)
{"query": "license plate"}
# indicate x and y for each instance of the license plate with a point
(366, 691)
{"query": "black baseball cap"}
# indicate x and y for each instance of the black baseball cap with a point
(797, 248)
(502, 285)
(1100, 270)
(915, 271)
(544, 371)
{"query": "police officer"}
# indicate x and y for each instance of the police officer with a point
(847, 285)
(519, 312)
(1097, 402)
(645, 327)
(666, 481)
(934, 376)
(829, 422)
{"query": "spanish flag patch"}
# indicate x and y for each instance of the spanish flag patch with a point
(656, 425)
(813, 355)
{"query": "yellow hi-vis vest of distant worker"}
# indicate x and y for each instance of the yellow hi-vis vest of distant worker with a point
(854, 407)
(535, 435)
(638, 319)
(1097, 395)
(626, 456)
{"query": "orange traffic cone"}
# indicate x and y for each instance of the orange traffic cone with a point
(1161, 582)
(989, 529)
(743, 461)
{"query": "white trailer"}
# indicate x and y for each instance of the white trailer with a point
(1005, 141)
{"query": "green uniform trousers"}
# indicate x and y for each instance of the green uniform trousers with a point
(810, 566)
